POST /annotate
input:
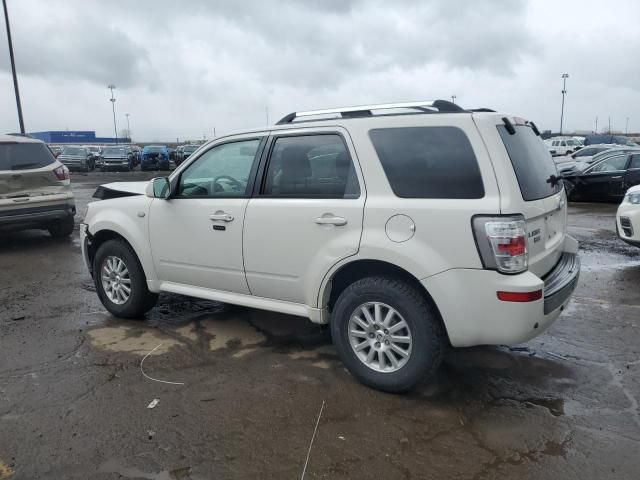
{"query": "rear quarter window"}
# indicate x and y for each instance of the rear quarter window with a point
(428, 162)
(532, 163)
(23, 156)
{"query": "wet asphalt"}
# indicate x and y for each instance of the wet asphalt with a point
(248, 385)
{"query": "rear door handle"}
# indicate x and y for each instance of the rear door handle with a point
(222, 216)
(337, 221)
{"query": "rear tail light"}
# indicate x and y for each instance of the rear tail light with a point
(520, 296)
(502, 242)
(62, 172)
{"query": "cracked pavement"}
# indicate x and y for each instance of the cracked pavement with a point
(73, 399)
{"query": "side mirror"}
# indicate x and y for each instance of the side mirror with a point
(159, 187)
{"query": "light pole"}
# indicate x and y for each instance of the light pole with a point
(626, 129)
(112, 87)
(564, 92)
(128, 127)
(13, 68)
(453, 98)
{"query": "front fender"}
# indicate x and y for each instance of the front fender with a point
(128, 217)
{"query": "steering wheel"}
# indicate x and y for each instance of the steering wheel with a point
(237, 184)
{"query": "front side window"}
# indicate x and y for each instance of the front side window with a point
(222, 171)
(316, 166)
(612, 164)
(635, 161)
(428, 162)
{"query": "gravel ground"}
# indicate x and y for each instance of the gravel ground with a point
(73, 398)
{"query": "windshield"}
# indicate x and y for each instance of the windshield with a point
(21, 156)
(190, 148)
(94, 149)
(73, 151)
(531, 162)
(154, 149)
(114, 151)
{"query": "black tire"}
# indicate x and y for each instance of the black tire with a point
(141, 300)
(61, 228)
(427, 335)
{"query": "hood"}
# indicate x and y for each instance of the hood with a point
(120, 189)
(635, 189)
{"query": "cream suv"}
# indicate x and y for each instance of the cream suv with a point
(406, 227)
(35, 190)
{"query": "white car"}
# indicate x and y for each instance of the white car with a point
(563, 145)
(406, 227)
(628, 217)
(585, 154)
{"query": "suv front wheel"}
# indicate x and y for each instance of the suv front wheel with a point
(120, 281)
(386, 333)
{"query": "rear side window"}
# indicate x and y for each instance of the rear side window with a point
(531, 162)
(635, 161)
(311, 166)
(23, 156)
(428, 162)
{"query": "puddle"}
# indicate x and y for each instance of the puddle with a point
(131, 340)
(232, 333)
(5, 472)
(116, 466)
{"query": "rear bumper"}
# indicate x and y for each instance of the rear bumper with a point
(473, 314)
(37, 216)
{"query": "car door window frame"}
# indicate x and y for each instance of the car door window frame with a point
(175, 180)
(592, 171)
(263, 169)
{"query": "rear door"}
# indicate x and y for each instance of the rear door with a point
(307, 214)
(632, 177)
(521, 160)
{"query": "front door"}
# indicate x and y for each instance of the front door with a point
(306, 217)
(196, 235)
(597, 182)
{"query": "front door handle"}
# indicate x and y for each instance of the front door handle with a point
(222, 216)
(616, 178)
(331, 220)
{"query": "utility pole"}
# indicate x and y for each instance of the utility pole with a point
(214, 132)
(609, 126)
(13, 68)
(453, 99)
(626, 129)
(564, 92)
(128, 127)
(266, 110)
(596, 130)
(112, 87)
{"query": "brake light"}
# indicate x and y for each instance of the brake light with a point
(502, 242)
(62, 172)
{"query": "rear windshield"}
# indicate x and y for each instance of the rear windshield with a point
(154, 149)
(428, 162)
(114, 151)
(73, 151)
(22, 156)
(531, 161)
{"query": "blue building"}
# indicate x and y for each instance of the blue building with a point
(79, 136)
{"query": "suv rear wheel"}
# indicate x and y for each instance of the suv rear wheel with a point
(120, 281)
(61, 228)
(386, 333)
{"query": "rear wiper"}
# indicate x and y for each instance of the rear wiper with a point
(554, 180)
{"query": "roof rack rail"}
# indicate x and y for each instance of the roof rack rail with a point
(428, 106)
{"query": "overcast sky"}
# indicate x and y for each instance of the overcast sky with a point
(181, 70)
